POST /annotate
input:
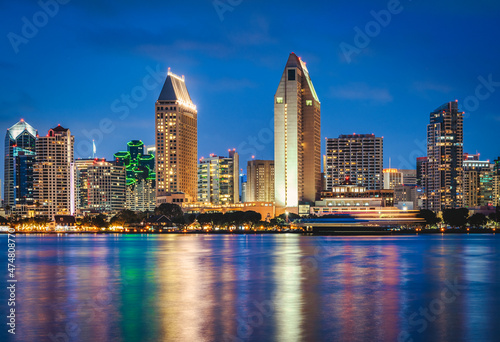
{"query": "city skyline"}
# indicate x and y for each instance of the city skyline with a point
(374, 86)
(359, 197)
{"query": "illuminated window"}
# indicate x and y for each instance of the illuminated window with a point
(309, 102)
(279, 100)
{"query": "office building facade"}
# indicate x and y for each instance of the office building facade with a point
(218, 179)
(357, 157)
(176, 139)
(395, 177)
(260, 181)
(19, 159)
(99, 186)
(477, 181)
(53, 191)
(444, 171)
(297, 137)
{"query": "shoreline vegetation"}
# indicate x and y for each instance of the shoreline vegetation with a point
(169, 218)
(359, 231)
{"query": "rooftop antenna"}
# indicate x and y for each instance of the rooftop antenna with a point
(93, 149)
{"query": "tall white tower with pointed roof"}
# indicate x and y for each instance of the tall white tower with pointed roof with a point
(297, 137)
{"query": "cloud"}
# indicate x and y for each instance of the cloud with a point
(160, 51)
(224, 84)
(256, 34)
(431, 86)
(361, 92)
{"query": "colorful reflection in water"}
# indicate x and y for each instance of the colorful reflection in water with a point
(257, 288)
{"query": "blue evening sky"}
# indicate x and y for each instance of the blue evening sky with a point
(77, 65)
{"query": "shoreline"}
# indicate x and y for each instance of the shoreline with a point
(304, 233)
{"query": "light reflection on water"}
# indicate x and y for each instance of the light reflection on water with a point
(256, 288)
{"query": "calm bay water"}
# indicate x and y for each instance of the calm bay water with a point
(255, 288)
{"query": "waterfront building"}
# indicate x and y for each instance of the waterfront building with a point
(392, 177)
(140, 189)
(406, 196)
(266, 209)
(173, 197)
(496, 182)
(260, 181)
(53, 192)
(395, 177)
(444, 172)
(19, 159)
(297, 137)
(477, 181)
(176, 139)
(421, 170)
(99, 186)
(358, 157)
(348, 197)
(243, 186)
(218, 179)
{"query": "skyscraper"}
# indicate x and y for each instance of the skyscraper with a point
(176, 139)
(421, 170)
(358, 157)
(140, 176)
(18, 168)
(53, 173)
(297, 137)
(496, 182)
(260, 181)
(218, 179)
(99, 186)
(444, 172)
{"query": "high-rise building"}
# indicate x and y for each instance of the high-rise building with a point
(409, 176)
(358, 157)
(53, 173)
(406, 196)
(444, 172)
(99, 186)
(140, 191)
(18, 168)
(176, 139)
(218, 179)
(260, 181)
(487, 187)
(496, 182)
(297, 137)
(243, 186)
(421, 170)
(474, 170)
(394, 177)
(150, 149)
